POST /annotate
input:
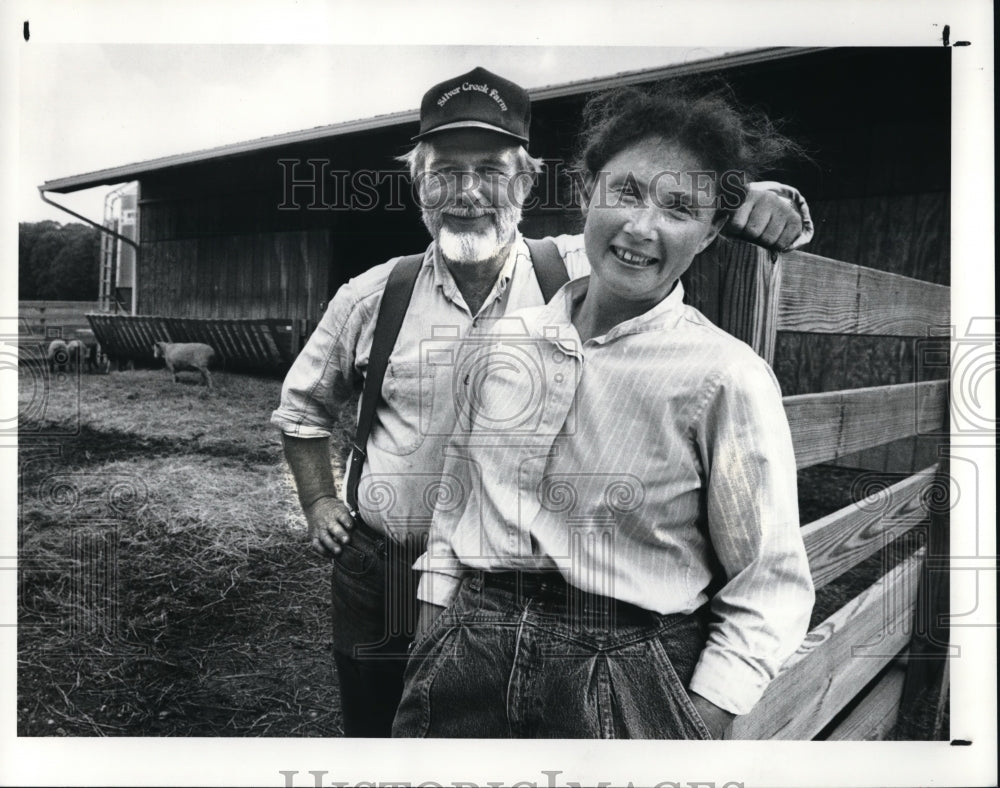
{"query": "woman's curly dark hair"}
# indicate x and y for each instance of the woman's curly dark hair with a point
(702, 116)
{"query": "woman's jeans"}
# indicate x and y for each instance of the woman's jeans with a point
(525, 655)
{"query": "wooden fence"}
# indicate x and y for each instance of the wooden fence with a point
(891, 630)
(52, 319)
(262, 344)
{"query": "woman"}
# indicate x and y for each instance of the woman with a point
(627, 559)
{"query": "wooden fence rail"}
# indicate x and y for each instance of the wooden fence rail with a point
(845, 538)
(837, 423)
(832, 684)
(837, 659)
(820, 295)
(51, 319)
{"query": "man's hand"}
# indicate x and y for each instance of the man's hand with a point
(767, 219)
(329, 519)
(329, 526)
(426, 618)
(716, 719)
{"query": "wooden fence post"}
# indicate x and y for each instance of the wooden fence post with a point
(925, 689)
(736, 285)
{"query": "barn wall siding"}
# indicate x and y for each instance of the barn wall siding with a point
(217, 242)
(259, 275)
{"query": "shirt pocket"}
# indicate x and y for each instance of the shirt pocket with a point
(407, 403)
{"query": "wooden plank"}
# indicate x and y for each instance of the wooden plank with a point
(234, 331)
(888, 222)
(318, 261)
(820, 295)
(211, 334)
(231, 330)
(54, 307)
(239, 293)
(833, 424)
(931, 240)
(245, 333)
(876, 714)
(701, 282)
(897, 457)
(257, 336)
(734, 284)
(851, 229)
(281, 337)
(836, 660)
(257, 277)
(214, 333)
(845, 538)
(926, 688)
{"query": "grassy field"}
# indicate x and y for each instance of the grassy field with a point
(166, 586)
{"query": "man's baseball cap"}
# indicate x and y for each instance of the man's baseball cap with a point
(477, 100)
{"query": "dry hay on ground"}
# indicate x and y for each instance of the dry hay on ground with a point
(166, 588)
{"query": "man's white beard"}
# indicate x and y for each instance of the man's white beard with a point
(473, 247)
(469, 247)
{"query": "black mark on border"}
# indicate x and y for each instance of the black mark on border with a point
(946, 38)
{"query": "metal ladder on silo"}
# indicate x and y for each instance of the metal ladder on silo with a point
(109, 254)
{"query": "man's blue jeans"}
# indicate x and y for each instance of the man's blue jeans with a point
(374, 618)
(518, 655)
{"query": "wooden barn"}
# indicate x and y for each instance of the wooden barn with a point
(243, 246)
(267, 230)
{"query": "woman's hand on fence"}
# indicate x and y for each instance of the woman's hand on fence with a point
(717, 719)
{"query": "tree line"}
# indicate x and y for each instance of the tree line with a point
(58, 262)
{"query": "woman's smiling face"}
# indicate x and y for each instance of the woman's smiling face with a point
(650, 211)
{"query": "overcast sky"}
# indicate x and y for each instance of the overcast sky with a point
(85, 107)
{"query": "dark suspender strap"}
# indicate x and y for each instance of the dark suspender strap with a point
(392, 310)
(550, 268)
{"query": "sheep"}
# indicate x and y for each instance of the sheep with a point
(85, 354)
(77, 354)
(57, 355)
(186, 355)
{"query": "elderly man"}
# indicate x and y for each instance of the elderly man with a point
(472, 174)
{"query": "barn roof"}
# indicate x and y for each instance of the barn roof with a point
(130, 172)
